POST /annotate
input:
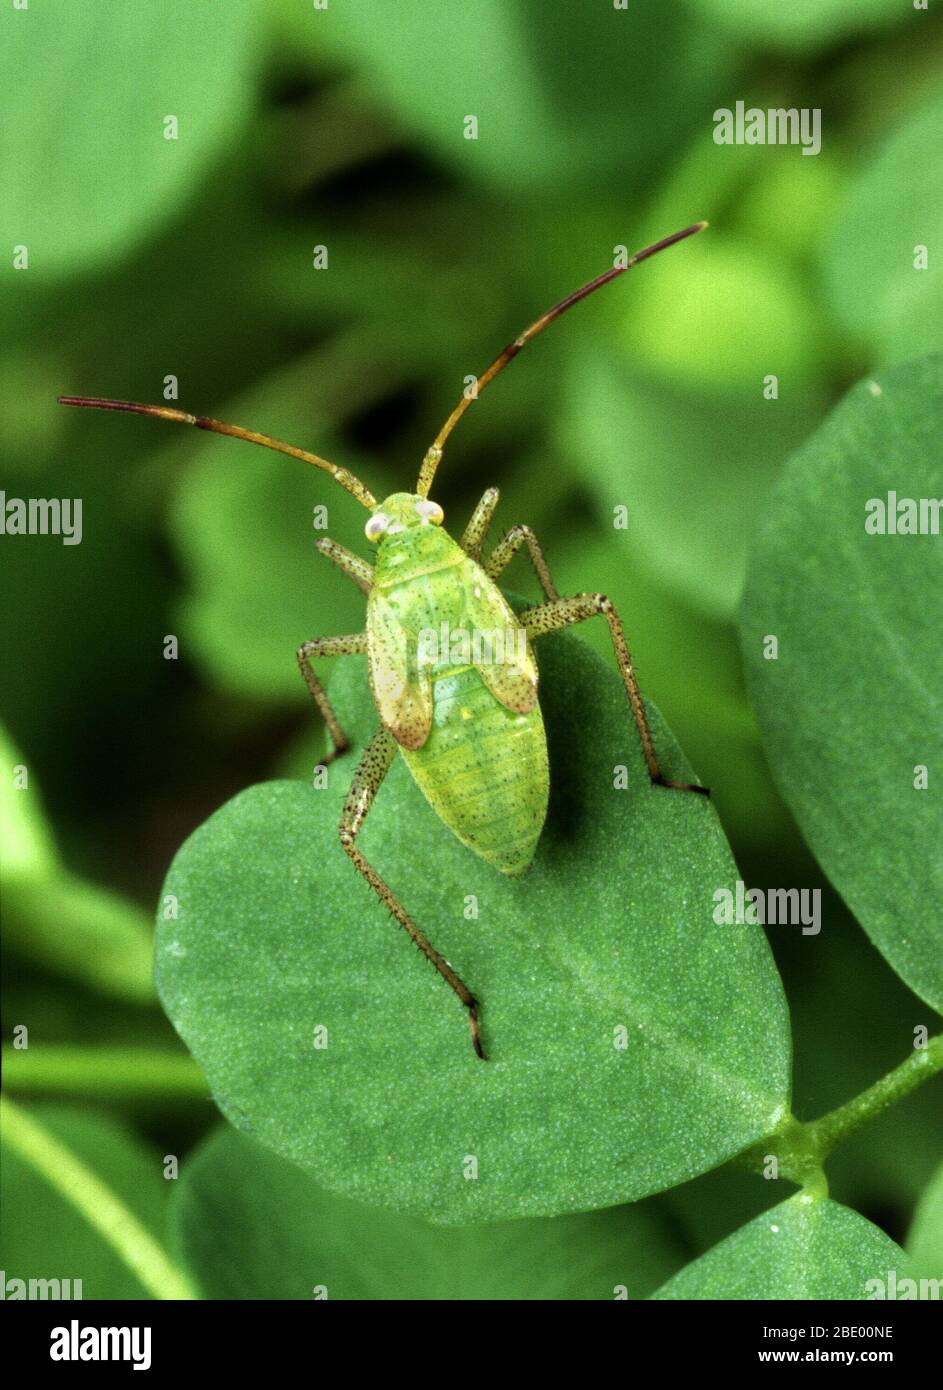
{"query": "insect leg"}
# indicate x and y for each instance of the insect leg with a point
(329, 646)
(352, 565)
(473, 537)
(374, 765)
(505, 550)
(551, 617)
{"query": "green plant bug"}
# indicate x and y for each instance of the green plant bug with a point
(464, 715)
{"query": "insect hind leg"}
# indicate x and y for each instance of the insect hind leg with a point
(374, 765)
(552, 617)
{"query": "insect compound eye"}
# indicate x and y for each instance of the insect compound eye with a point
(430, 511)
(376, 525)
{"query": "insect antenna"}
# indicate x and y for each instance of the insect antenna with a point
(204, 422)
(434, 453)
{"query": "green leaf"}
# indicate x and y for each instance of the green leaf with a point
(28, 849)
(811, 189)
(250, 1225)
(800, 24)
(869, 266)
(599, 92)
(691, 470)
(87, 170)
(802, 1249)
(851, 708)
(612, 927)
(745, 315)
(925, 1239)
(55, 918)
(83, 931)
(82, 1199)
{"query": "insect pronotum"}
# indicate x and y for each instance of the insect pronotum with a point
(454, 720)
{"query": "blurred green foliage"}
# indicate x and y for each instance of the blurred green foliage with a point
(193, 258)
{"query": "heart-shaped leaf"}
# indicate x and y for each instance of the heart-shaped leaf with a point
(805, 1248)
(251, 1225)
(634, 1042)
(850, 708)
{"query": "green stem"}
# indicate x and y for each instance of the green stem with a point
(801, 1149)
(111, 1073)
(797, 1159)
(838, 1124)
(100, 1207)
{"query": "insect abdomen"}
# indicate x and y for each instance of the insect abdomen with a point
(483, 769)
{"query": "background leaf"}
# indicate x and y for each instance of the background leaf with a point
(28, 850)
(55, 918)
(644, 446)
(925, 1241)
(93, 123)
(590, 97)
(852, 705)
(743, 316)
(613, 926)
(244, 622)
(895, 206)
(802, 1249)
(45, 1237)
(801, 24)
(251, 1225)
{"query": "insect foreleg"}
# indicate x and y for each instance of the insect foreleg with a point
(374, 765)
(507, 548)
(551, 617)
(352, 645)
(356, 569)
(473, 537)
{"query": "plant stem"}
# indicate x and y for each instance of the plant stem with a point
(100, 1207)
(801, 1149)
(108, 1072)
(797, 1158)
(838, 1124)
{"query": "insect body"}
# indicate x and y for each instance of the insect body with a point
(455, 682)
(452, 668)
